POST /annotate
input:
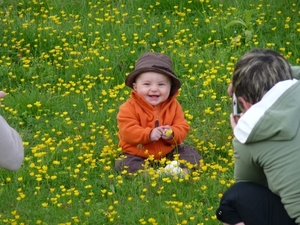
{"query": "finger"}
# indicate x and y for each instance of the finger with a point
(2, 94)
(233, 121)
(160, 129)
(230, 90)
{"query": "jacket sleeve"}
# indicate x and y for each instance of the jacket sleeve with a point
(296, 72)
(179, 125)
(11, 147)
(130, 129)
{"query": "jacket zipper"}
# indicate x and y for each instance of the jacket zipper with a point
(156, 123)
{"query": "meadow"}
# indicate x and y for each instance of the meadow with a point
(63, 64)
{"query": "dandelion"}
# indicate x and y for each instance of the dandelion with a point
(37, 104)
(169, 132)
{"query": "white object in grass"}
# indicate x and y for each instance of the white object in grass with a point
(173, 168)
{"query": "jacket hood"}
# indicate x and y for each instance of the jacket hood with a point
(276, 117)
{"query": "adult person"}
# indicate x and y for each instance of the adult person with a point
(11, 146)
(266, 143)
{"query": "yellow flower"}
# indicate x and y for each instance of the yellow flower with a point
(169, 132)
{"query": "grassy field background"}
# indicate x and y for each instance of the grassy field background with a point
(63, 65)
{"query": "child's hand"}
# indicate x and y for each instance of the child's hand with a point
(168, 133)
(156, 133)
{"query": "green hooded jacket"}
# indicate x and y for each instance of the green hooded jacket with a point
(267, 143)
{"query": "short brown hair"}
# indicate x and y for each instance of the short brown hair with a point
(257, 72)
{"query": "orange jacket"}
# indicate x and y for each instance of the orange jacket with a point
(136, 118)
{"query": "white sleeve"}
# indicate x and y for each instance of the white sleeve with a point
(11, 147)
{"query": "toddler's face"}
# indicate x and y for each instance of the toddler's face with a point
(153, 87)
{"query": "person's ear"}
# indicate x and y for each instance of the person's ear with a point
(134, 86)
(245, 105)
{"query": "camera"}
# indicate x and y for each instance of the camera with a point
(236, 109)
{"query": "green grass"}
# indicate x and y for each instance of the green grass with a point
(63, 65)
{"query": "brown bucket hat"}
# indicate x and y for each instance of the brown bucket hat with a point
(154, 62)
